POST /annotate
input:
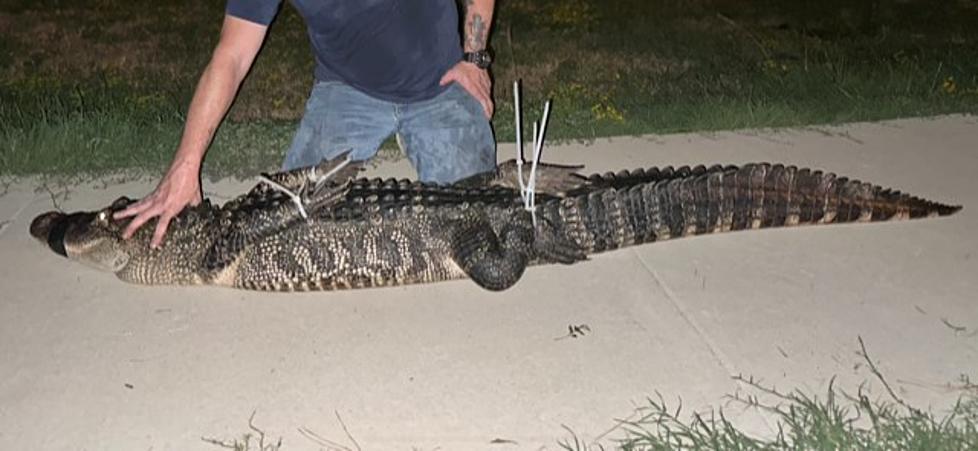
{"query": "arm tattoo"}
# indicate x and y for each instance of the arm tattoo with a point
(478, 19)
(475, 38)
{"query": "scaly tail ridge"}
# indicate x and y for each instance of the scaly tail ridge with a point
(684, 202)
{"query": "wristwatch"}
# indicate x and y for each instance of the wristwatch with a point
(481, 58)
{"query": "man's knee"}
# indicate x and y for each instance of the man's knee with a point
(343, 120)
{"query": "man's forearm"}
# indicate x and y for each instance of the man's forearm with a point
(215, 91)
(478, 18)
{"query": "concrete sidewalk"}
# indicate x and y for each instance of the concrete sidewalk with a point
(87, 362)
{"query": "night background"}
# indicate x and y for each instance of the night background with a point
(102, 85)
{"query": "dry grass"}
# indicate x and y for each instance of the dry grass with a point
(51, 49)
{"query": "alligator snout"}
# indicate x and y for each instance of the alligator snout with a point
(42, 225)
(49, 228)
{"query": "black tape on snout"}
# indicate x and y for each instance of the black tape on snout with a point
(56, 237)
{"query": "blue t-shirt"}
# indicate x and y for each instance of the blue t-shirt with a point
(395, 50)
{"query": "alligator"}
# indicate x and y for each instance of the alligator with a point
(324, 228)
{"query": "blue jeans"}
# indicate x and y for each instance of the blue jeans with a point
(446, 138)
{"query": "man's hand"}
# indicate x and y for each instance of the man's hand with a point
(232, 58)
(179, 188)
(474, 80)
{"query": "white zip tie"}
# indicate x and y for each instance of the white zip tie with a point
(295, 197)
(528, 189)
(519, 138)
(300, 204)
(531, 182)
(537, 150)
(333, 171)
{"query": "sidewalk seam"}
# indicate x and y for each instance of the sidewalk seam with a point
(720, 357)
(673, 299)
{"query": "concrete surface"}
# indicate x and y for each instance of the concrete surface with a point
(87, 362)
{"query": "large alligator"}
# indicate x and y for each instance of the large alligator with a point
(322, 228)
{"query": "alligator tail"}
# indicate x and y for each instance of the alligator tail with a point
(723, 199)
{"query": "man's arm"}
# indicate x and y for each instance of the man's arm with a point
(218, 85)
(478, 18)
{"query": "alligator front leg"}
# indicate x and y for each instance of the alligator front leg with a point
(494, 261)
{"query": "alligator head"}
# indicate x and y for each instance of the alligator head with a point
(93, 238)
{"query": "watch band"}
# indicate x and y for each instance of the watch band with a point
(481, 58)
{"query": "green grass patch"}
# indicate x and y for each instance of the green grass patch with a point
(838, 420)
(835, 421)
(102, 85)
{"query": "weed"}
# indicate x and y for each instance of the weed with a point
(836, 421)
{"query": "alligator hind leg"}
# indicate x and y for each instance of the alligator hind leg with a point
(494, 261)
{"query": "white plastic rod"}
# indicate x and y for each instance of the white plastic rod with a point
(519, 137)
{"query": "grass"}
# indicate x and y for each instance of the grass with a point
(254, 440)
(101, 85)
(837, 421)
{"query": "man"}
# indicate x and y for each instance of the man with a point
(382, 67)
